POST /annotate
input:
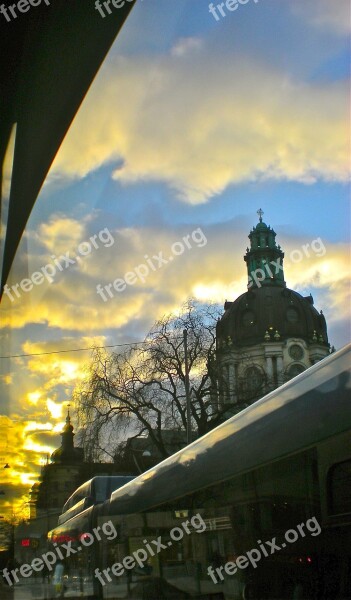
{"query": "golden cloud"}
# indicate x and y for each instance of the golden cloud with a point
(23, 459)
(204, 272)
(163, 120)
(61, 234)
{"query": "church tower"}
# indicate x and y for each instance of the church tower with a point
(67, 453)
(264, 259)
(60, 477)
(270, 333)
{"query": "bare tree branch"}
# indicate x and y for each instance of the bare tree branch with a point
(142, 389)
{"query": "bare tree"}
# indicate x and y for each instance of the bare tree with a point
(142, 390)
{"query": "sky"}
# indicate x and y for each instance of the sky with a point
(191, 125)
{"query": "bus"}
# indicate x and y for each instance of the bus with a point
(259, 508)
(96, 490)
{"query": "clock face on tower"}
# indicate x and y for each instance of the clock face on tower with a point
(296, 352)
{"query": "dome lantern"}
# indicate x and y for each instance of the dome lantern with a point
(264, 259)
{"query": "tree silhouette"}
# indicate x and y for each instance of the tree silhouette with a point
(142, 390)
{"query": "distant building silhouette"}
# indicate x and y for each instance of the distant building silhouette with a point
(59, 479)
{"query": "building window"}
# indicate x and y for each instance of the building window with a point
(292, 315)
(295, 370)
(296, 352)
(253, 380)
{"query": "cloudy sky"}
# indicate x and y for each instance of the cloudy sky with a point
(190, 126)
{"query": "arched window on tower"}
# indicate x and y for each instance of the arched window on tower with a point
(253, 383)
(295, 370)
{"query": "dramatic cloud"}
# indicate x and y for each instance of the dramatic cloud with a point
(38, 402)
(23, 457)
(200, 121)
(203, 270)
(61, 233)
(333, 16)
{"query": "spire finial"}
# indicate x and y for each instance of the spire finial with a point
(68, 418)
(260, 213)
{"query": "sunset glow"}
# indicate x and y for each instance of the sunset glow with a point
(191, 123)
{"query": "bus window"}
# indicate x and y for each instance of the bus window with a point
(339, 488)
(104, 486)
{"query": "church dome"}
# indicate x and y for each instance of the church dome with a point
(271, 313)
(67, 455)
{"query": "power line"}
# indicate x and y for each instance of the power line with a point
(130, 344)
(72, 350)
